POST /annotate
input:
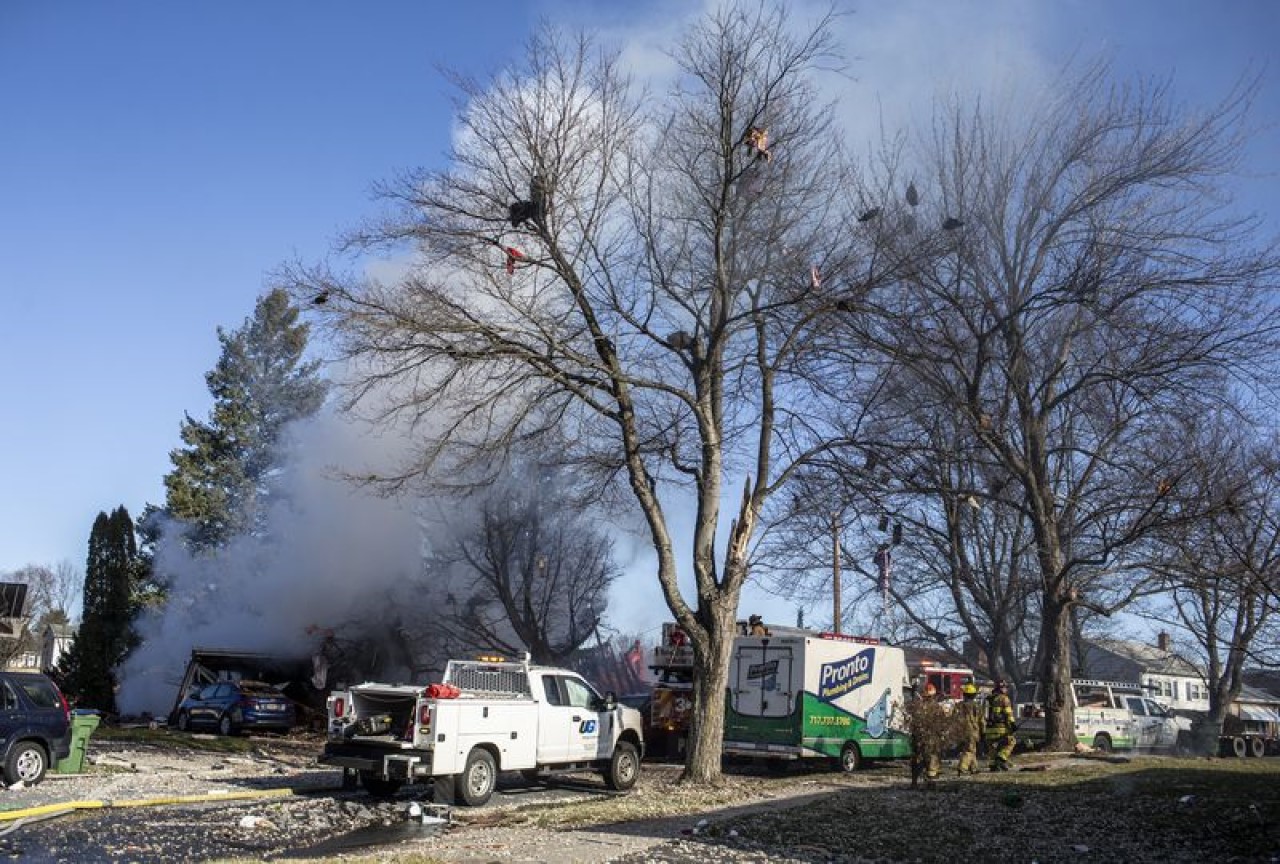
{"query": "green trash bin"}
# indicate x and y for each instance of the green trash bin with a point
(82, 725)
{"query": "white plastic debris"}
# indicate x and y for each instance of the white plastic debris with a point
(1080, 847)
(252, 821)
(733, 832)
(1187, 799)
(16, 785)
(703, 823)
(415, 810)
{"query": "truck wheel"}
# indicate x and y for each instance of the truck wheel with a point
(377, 786)
(850, 758)
(475, 784)
(1257, 747)
(1239, 748)
(1102, 742)
(26, 764)
(624, 767)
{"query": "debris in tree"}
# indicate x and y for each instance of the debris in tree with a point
(951, 223)
(869, 214)
(897, 533)
(321, 298)
(680, 340)
(1164, 487)
(913, 197)
(533, 210)
(815, 276)
(972, 501)
(884, 523)
(513, 255)
(757, 139)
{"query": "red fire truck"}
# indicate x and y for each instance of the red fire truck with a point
(671, 703)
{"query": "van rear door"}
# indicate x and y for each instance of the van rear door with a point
(762, 684)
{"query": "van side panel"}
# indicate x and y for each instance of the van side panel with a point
(807, 696)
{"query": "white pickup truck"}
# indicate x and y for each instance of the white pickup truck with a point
(487, 716)
(1111, 716)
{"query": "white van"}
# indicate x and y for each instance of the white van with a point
(1111, 715)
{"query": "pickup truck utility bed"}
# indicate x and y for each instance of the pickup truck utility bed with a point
(487, 716)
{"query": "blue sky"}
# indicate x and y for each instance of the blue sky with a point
(159, 159)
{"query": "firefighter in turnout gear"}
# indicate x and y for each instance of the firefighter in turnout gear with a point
(972, 725)
(1000, 726)
(929, 724)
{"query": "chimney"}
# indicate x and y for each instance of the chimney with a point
(1162, 641)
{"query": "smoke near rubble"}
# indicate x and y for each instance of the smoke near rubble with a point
(331, 554)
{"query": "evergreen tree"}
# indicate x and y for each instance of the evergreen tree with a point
(106, 635)
(219, 481)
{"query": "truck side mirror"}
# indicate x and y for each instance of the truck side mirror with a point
(609, 702)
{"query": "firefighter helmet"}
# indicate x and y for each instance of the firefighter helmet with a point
(969, 689)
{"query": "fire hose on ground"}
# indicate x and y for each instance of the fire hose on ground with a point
(29, 815)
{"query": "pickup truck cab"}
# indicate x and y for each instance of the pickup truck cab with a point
(1112, 716)
(487, 716)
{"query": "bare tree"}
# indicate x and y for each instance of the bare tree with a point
(532, 573)
(1091, 283)
(655, 277)
(1222, 572)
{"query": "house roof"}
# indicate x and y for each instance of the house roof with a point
(1256, 696)
(1148, 658)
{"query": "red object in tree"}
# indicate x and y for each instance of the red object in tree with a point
(513, 255)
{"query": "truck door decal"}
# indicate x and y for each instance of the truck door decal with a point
(845, 676)
(588, 727)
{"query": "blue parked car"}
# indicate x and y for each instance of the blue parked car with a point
(35, 726)
(233, 706)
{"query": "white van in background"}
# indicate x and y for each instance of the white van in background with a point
(1110, 716)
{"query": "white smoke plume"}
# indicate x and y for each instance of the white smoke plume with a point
(330, 549)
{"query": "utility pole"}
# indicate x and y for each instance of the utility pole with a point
(835, 573)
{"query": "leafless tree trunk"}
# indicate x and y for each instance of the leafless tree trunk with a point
(662, 294)
(1089, 285)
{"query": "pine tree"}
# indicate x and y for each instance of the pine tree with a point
(106, 635)
(219, 482)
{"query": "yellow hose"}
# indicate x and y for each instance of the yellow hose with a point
(103, 803)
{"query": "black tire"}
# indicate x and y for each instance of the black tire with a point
(27, 763)
(225, 726)
(184, 721)
(532, 775)
(1239, 748)
(1102, 742)
(474, 786)
(850, 758)
(378, 787)
(624, 767)
(1257, 747)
